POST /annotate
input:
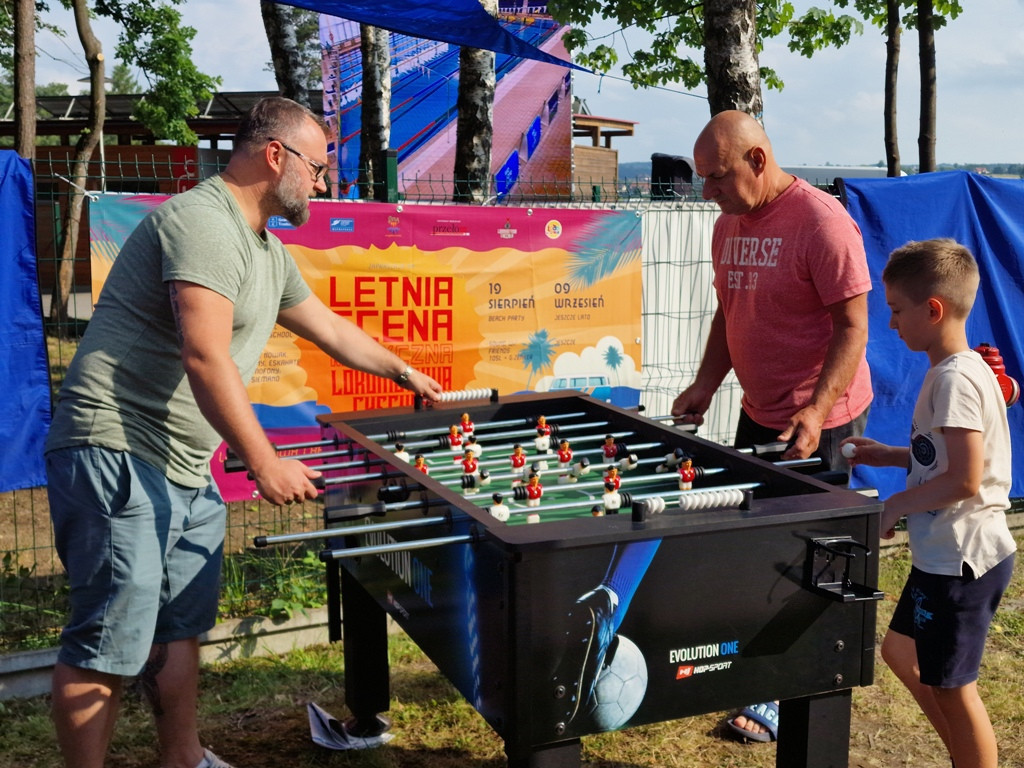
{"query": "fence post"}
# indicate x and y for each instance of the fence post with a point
(386, 191)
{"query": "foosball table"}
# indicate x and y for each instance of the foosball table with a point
(623, 572)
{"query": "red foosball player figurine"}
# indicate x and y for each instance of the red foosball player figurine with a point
(518, 462)
(612, 476)
(564, 455)
(534, 491)
(420, 463)
(454, 437)
(470, 465)
(610, 449)
(687, 474)
(466, 425)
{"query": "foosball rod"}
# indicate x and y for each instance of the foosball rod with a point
(392, 436)
(380, 549)
(596, 484)
(586, 503)
(326, 533)
(556, 430)
(489, 463)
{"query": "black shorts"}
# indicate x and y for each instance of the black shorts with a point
(949, 617)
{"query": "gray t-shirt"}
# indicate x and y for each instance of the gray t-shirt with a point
(126, 388)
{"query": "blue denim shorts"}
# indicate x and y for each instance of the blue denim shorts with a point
(949, 618)
(142, 554)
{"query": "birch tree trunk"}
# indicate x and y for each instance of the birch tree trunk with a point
(730, 56)
(375, 134)
(284, 52)
(474, 136)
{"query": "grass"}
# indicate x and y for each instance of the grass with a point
(253, 713)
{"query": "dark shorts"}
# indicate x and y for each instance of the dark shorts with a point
(143, 557)
(948, 617)
(749, 432)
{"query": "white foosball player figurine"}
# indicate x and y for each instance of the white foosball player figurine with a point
(612, 499)
(499, 510)
(400, 452)
(543, 440)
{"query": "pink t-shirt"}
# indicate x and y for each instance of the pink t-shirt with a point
(776, 272)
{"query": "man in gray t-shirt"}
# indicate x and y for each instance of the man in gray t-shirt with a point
(158, 381)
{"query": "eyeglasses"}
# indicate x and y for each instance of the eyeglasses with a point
(319, 169)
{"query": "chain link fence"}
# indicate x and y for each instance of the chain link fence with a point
(279, 580)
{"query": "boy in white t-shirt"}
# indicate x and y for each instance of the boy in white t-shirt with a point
(958, 485)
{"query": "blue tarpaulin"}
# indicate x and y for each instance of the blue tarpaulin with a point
(24, 375)
(983, 213)
(460, 22)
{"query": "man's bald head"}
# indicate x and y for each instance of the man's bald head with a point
(734, 156)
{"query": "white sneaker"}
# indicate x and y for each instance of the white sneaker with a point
(210, 760)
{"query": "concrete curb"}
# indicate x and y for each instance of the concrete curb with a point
(27, 673)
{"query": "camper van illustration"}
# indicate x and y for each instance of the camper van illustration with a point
(595, 385)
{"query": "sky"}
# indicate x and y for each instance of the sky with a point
(830, 111)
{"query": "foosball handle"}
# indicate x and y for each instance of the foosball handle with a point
(458, 396)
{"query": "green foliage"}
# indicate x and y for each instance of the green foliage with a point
(273, 582)
(122, 80)
(155, 41)
(677, 33)
(7, 31)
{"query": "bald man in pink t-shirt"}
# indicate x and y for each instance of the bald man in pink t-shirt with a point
(792, 280)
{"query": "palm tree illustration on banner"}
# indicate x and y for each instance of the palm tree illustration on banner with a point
(613, 359)
(605, 245)
(536, 354)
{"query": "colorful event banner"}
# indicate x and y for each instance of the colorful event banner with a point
(512, 299)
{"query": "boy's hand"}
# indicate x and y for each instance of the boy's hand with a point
(862, 450)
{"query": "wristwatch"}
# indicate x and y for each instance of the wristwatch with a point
(403, 378)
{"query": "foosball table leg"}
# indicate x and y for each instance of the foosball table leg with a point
(563, 754)
(367, 673)
(814, 731)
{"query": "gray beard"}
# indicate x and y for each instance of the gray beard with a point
(290, 202)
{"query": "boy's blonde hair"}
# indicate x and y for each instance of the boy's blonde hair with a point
(941, 268)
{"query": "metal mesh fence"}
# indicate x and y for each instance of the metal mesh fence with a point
(279, 580)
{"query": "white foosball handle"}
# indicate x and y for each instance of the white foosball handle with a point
(460, 395)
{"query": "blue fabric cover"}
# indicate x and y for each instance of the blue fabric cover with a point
(24, 374)
(985, 215)
(461, 22)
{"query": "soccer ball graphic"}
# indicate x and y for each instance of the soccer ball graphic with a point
(620, 687)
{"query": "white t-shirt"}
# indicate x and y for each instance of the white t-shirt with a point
(961, 392)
